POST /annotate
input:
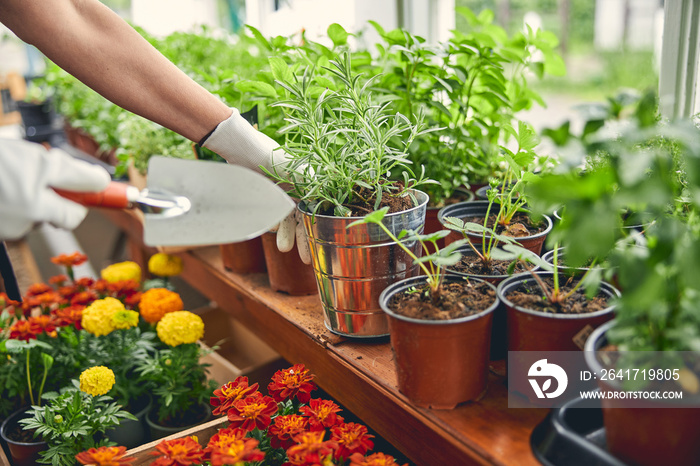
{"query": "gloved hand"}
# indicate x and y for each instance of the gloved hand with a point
(240, 143)
(27, 173)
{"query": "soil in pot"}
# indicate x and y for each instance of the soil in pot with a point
(441, 347)
(473, 265)
(530, 296)
(24, 448)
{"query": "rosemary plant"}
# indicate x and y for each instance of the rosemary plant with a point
(343, 146)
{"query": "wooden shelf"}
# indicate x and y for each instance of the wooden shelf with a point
(360, 374)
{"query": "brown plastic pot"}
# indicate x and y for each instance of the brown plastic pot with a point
(462, 210)
(21, 453)
(287, 273)
(530, 330)
(432, 224)
(244, 257)
(439, 363)
(645, 436)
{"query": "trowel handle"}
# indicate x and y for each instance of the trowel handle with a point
(116, 196)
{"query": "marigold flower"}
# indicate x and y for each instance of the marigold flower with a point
(122, 271)
(351, 438)
(311, 449)
(165, 265)
(178, 452)
(58, 280)
(123, 319)
(97, 317)
(252, 411)
(69, 260)
(97, 380)
(285, 428)
(84, 297)
(375, 459)
(321, 414)
(68, 291)
(290, 383)
(71, 315)
(157, 302)
(38, 288)
(5, 301)
(101, 286)
(84, 283)
(230, 446)
(24, 330)
(132, 300)
(47, 323)
(180, 327)
(228, 393)
(105, 456)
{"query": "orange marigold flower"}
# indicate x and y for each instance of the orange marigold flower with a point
(178, 452)
(5, 301)
(101, 286)
(38, 288)
(375, 459)
(123, 287)
(58, 280)
(47, 323)
(85, 282)
(68, 291)
(311, 449)
(157, 302)
(69, 260)
(29, 303)
(252, 411)
(351, 438)
(71, 315)
(290, 383)
(285, 428)
(230, 446)
(84, 298)
(321, 414)
(105, 456)
(228, 393)
(25, 330)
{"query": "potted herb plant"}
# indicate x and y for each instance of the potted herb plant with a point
(439, 324)
(343, 147)
(649, 166)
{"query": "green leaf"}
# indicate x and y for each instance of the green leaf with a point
(257, 87)
(280, 70)
(337, 34)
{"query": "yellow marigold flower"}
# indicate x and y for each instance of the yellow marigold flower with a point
(180, 327)
(125, 319)
(98, 316)
(122, 271)
(165, 265)
(97, 380)
(157, 302)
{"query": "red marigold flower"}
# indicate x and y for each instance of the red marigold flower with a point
(38, 288)
(47, 323)
(48, 299)
(321, 414)
(133, 299)
(230, 446)
(105, 456)
(71, 315)
(285, 428)
(84, 298)
(310, 449)
(375, 459)
(123, 287)
(84, 283)
(228, 393)
(290, 383)
(68, 291)
(101, 286)
(252, 411)
(24, 330)
(5, 301)
(69, 260)
(178, 452)
(351, 438)
(58, 280)
(29, 303)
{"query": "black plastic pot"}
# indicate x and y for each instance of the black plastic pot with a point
(439, 363)
(478, 209)
(159, 431)
(37, 113)
(130, 433)
(645, 435)
(21, 453)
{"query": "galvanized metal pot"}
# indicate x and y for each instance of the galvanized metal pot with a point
(354, 265)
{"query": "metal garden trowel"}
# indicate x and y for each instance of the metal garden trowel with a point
(195, 202)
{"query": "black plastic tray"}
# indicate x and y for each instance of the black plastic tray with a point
(573, 435)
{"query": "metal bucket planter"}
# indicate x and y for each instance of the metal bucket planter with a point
(354, 265)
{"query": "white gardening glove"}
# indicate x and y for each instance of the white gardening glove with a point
(27, 173)
(239, 143)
